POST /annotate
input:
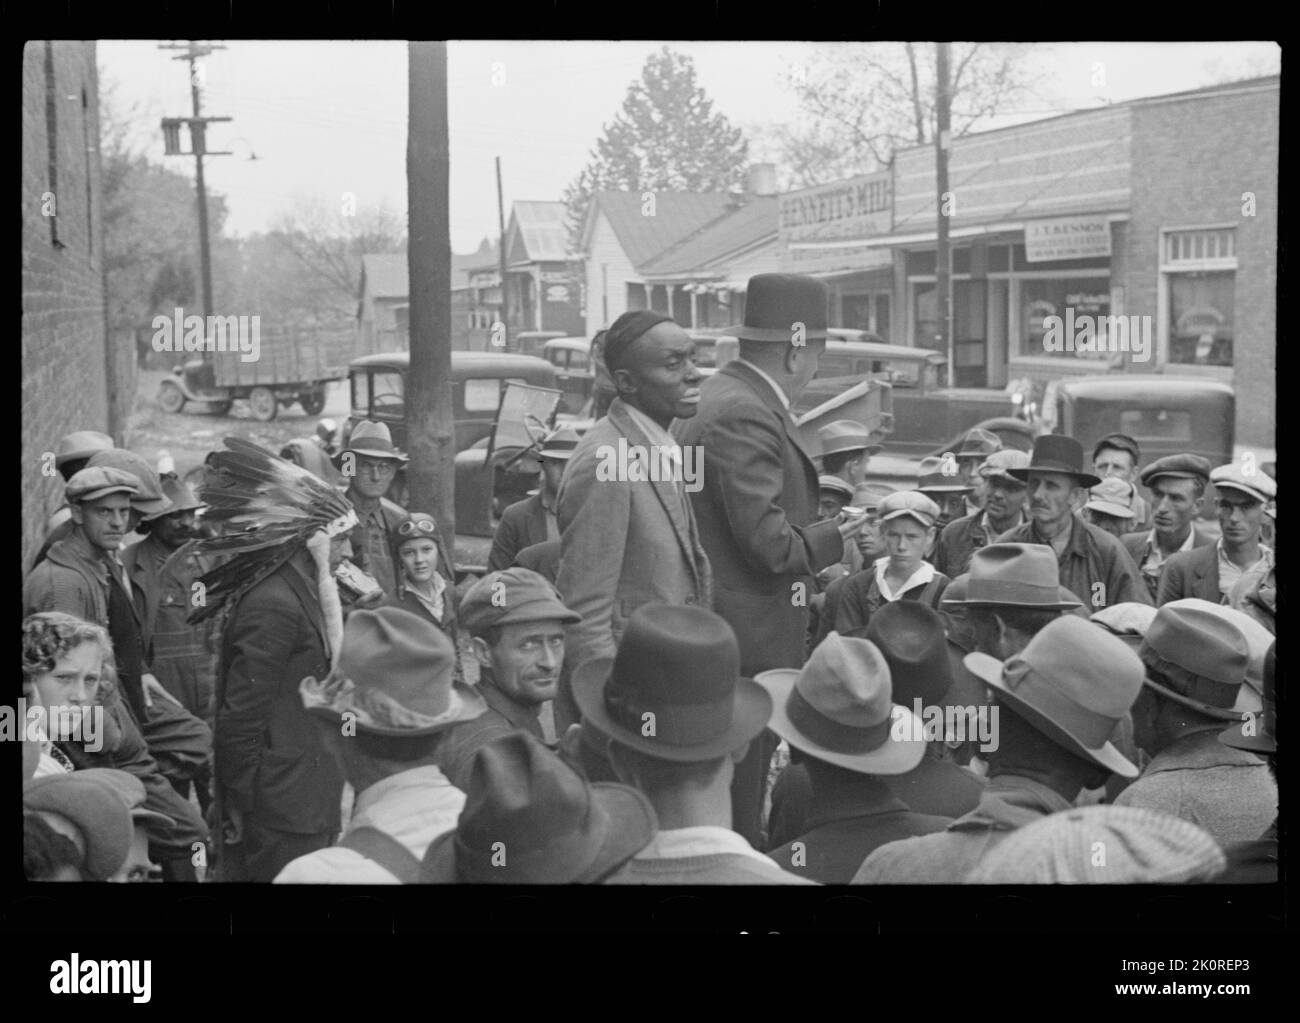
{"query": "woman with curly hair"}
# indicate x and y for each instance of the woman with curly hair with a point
(68, 663)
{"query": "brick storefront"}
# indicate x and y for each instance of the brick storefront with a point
(72, 378)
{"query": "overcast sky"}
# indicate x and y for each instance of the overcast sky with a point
(326, 118)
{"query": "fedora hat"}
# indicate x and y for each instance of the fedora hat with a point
(998, 464)
(181, 497)
(552, 825)
(131, 791)
(151, 500)
(1258, 733)
(93, 807)
(372, 440)
(1054, 452)
(1016, 575)
(775, 303)
(1201, 654)
(1258, 642)
(1074, 682)
(835, 485)
(846, 435)
(839, 708)
(394, 676)
(934, 478)
(559, 444)
(81, 444)
(911, 637)
(979, 444)
(674, 689)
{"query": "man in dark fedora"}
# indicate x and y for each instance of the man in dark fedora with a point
(1177, 484)
(757, 508)
(844, 729)
(628, 533)
(533, 520)
(976, 447)
(530, 818)
(383, 714)
(1195, 664)
(679, 717)
(516, 624)
(1094, 565)
(943, 482)
(369, 462)
(1003, 509)
(1059, 702)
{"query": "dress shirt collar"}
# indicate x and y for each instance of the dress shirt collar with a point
(923, 574)
(700, 840)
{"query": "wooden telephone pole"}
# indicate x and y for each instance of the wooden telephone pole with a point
(430, 422)
(943, 250)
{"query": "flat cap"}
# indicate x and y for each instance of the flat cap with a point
(1188, 467)
(1113, 496)
(1254, 484)
(100, 481)
(834, 483)
(909, 502)
(979, 443)
(845, 435)
(996, 466)
(509, 596)
(150, 500)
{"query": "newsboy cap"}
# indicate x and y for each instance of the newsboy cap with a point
(1187, 467)
(1254, 484)
(509, 596)
(908, 502)
(100, 481)
(998, 466)
(150, 500)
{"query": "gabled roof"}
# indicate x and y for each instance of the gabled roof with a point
(676, 215)
(537, 233)
(734, 231)
(385, 275)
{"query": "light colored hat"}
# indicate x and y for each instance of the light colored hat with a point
(979, 444)
(839, 709)
(1113, 496)
(1258, 641)
(827, 482)
(846, 435)
(91, 484)
(81, 444)
(559, 444)
(1201, 654)
(998, 465)
(181, 497)
(1255, 485)
(1103, 845)
(150, 500)
(1014, 575)
(941, 476)
(373, 440)
(908, 502)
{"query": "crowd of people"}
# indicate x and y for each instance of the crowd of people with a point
(780, 671)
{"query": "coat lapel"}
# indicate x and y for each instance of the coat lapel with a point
(741, 371)
(306, 593)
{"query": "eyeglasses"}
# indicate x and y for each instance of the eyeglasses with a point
(413, 527)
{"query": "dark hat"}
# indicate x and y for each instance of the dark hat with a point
(512, 595)
(542, 558)
(530, 818)
(1254, 734)
(836, 485)
(92, 484)
(395, 676)
(979, 443)
(839, 708)
(1076, 681)
(846, 435)
(373, 440)
(94, 808)
(81, 444)
(775, 304)
(1016, 575)
(1054, 452)
(1254, 484)
(1120, 442)
(911, 637)
(181, 497)
(674, 690)
(559, 444)
(151, 500)
(1188, 467)
(941, 475)
(416, 526)
(1202, 655)
(625, 330)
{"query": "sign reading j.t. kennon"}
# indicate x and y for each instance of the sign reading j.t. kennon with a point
(1066, 238)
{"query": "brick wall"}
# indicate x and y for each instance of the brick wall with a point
(1191, 161)
(72, 378)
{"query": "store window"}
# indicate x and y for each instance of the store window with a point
(1200, 269)
(1070, 299)
(925, 315)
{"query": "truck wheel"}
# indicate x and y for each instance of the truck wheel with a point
(170, 397)
(312, 402)
(262, 401)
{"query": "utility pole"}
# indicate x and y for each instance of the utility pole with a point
(430, 422)
(943, 253)
(198, 145)
(501, 260)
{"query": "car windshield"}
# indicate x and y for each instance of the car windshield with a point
(706, 352)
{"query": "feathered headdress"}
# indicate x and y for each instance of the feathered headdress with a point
(268, 509)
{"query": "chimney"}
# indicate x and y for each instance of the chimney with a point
(761, 179)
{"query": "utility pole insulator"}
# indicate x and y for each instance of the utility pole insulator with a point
(171, 127)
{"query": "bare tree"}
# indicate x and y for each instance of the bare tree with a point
(330, 240)
(862, 102)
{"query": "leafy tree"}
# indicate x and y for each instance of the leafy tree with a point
(863, 101)
(666, 136)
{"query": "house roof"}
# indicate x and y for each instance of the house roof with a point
(385, 275)
(676, 215)
(705, 248)
(537, 232)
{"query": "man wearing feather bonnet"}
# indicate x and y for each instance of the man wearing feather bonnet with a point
(283, 531)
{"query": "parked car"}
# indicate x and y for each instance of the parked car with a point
(532, 342)
(1166, 415)
(573, 371)
(929, 417)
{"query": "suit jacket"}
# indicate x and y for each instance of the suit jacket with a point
(757, 511)
(850, 816)
(1136, 545)
(522, 525)
(623, 543)
(1193, 573)
(270, 761)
